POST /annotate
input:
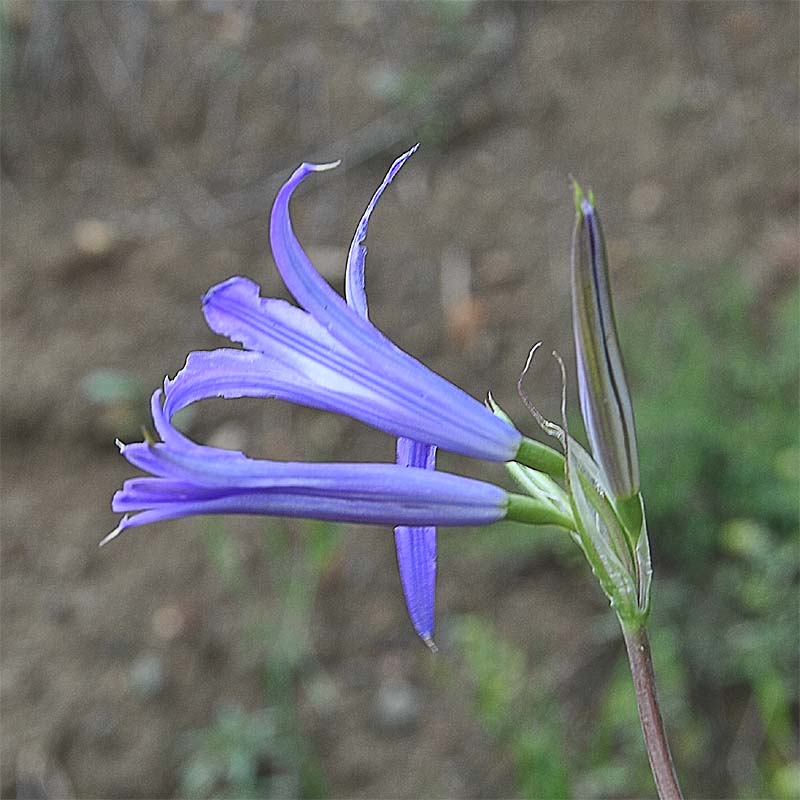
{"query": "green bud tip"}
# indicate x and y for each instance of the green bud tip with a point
(577, 193)
(580, 198)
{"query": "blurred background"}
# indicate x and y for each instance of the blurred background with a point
(142, 145)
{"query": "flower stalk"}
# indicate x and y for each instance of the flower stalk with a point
(655, 737)
(604, 488)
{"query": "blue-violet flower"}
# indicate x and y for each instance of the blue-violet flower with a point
(328, 355)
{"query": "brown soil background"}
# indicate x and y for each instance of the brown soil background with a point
(172, 125)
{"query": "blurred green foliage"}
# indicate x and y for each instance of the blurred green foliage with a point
(522, 715)
(715, 376)
(714, 372)
(717, 414)
(232, 757)
(262, 753)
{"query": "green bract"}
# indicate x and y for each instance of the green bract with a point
(612, 533)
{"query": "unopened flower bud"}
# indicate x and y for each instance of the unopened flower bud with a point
(605, 401)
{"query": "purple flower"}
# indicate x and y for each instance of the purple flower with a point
(328, 355)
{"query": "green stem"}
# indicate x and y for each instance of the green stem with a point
(522, 508)
(540, 457)
(655, 738)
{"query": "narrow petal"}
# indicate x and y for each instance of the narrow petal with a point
(415, 546)
(204, 480)
(416, 549)
(416, 562)
(354, 274)
(374, 510)
(459, 414)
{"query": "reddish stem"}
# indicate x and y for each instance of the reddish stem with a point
(655, 738)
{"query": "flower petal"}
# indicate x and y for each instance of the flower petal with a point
(416, 549)
(415, 546)
(485, 435)
(354, 274)
(194, 479)
(299, 360)
(310, 381)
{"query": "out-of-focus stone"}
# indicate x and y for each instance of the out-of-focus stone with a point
(329, 260)
(398, 706)
(93, 237)
(229, 436)
(148, 676)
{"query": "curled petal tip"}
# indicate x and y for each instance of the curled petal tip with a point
(429, 643)
(120, 444)
(309, 167)
(116, 532)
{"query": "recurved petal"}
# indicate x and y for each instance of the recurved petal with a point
(491, 437)
(304, 379)
(235, 308)
(244, 373)
(354, 274)
(306, 285)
